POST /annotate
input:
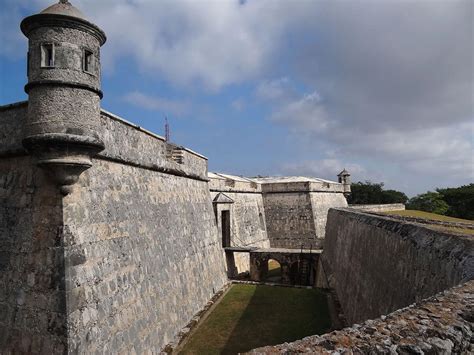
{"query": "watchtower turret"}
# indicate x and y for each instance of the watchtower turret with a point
(345, 178)
(64, 76)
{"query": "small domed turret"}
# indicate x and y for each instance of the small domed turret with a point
(64, 91)
(345, 178)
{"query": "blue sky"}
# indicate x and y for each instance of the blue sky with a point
(273, 87)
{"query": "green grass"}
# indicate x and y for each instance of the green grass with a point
(436, 217)
(428, 215)
(251, 316)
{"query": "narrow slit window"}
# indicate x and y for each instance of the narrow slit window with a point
(47, 55)
(88, 61)
(28, 65)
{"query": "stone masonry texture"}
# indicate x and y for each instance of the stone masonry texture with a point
(380, 207)
(248, 227)
(60, 108)
(119, 265)
(298, 219)
(442, 324)
(377, 264)
(32, 288)
(143, 257)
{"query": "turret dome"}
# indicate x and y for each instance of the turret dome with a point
(65, 8)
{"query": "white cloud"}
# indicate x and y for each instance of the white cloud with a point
(238, 104)
(154, 103)
(274, 89)
(307, 113)
(212, 43)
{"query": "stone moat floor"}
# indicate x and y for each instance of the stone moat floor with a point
(250, 316)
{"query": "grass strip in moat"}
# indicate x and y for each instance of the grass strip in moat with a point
(250, 316)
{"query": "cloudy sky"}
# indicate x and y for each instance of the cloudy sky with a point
(279, 87)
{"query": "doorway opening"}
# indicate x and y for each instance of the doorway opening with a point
(274, 271)
(225, 219)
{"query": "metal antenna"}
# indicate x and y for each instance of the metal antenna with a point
(167, 129)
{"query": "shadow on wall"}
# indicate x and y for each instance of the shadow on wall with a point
(33, 266)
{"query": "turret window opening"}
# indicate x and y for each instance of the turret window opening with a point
(47, 55)
(88, 61)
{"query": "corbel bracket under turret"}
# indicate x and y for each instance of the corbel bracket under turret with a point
(64, 156)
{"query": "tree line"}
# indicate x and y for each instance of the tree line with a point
(454, 201)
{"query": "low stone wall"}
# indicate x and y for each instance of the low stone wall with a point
(439, 325)
(379, 208)
(431, 221)
(377, 264)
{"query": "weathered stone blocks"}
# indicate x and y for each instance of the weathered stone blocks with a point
(378, 264)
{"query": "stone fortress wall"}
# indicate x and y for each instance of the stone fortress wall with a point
(296, 210)
(242, 198)
(144, 229)
(277, 212)
(111, 238)
(379, 264)
(122, 263)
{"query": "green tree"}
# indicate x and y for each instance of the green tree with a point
(394, 196)
(460, 201)
(373, 193)
(428, 202)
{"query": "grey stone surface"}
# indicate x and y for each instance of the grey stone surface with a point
(298, 219)
(247, 215)
(12, 120)
(298, 267)
(69, 44)
(290, 220)
(442, 324)
(128, 143)
(143, 148)
(378, 264)
(142, 257)
(379, 207)
(295, 208)
(32, 288)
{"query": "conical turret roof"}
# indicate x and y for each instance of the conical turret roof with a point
(343, 173)
(65, 8)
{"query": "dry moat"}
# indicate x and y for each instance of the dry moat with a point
(250, 316)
